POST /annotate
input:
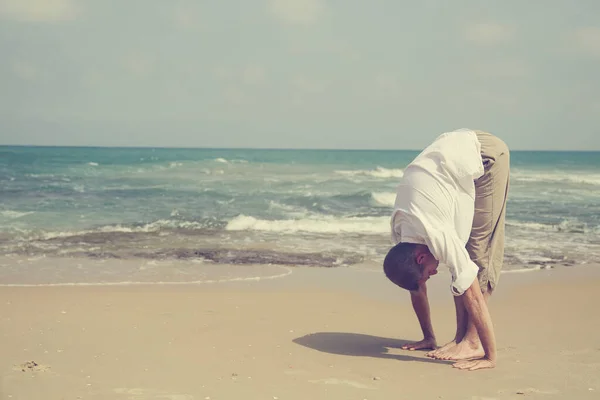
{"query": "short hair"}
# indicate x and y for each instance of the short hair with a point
(401, 267)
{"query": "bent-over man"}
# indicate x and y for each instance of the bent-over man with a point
(450, 209)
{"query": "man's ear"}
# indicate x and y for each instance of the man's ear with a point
(420, 258)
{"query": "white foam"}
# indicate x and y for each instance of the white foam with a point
(288, 271)
(530, 225)
(379, 172)
(383, 199)
(571, 226)
(93, 164)
(147, 228)
(523, 270)
(15, 214)
(221, 160)
(558, 177)
(369, 225)
(289, 210)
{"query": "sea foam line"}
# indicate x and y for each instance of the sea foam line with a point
(288, 271)
(369, 225)
(15, 214)
(379, 172)
(573, 177)
(383, 199)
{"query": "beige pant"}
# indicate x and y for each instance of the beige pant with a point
(486, 242)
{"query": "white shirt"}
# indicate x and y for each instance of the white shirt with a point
(435, 203)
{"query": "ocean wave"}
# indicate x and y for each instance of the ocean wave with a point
(290, 210)
(152, 227)
(561, 177)
(383, 199)
(365, 225)
(379, 172)
(15, 214)
(568, 226)
(257, 257)
(234, 161)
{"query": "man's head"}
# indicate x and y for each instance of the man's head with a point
(409, 265)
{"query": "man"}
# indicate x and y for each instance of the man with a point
(450, 208)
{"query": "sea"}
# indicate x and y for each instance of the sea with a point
(84, 215)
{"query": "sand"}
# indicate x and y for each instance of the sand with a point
(315, 334)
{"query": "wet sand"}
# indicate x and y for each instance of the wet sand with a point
(313, 334)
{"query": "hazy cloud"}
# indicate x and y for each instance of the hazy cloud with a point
(307, 85)
(587, 40)
(317, 69)
(250, 74)
(38, 10)
(187, 16)
(489, 33)
(25, 70)
(139, 65)
(235, 96)
(296, 11)
(501, 68)
(253, 75)
(386, 81)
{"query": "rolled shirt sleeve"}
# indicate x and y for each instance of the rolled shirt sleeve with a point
(447, 248)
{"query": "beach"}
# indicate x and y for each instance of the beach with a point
(180, 274)
(318, 333)
(197, 199)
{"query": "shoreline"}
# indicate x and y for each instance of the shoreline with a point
(54, 271)
(318, 333)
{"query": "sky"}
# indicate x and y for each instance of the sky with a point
(350, 74)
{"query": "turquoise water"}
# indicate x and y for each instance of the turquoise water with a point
(290, 207)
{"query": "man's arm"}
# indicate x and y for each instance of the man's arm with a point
(480, 315)
(420, 304)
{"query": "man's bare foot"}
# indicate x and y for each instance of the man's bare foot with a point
(464, 350)
(472, 365)
(427, 343)
(441, 350)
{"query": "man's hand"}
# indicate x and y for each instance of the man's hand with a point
(472, 365)
(427, 343)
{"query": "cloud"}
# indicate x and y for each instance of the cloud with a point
(253, 75)
(489, 33)
(305, 91)
(307, 85)
(234, 96)
(587, 40)
(250, 74)
(386, 82)
(138, 64)
(91, 79)
(496, 100)
(296, 12)
(25, 70)
(501, 68)
(187, 16)
(38, 10)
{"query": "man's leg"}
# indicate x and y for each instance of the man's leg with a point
(468, 346)
(486, 244)
(461, 329)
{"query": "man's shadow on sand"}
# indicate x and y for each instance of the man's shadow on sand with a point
(359, 345)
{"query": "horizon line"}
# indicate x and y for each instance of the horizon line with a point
(257, 148)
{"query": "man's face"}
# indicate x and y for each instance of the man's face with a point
(430, 266)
